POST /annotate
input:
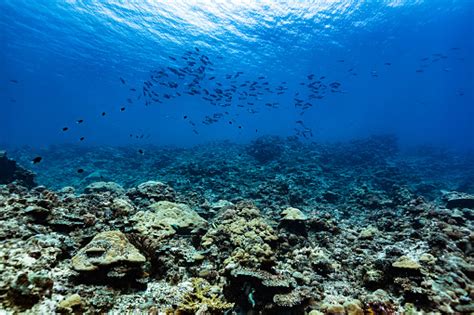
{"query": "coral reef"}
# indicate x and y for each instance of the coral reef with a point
(265, 149)
(166, 218)
(318, 229)
(11, 172)
(110, 254)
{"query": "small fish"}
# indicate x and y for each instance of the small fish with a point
(122, 109)
(80, 121)
(122, 80)
(172, 58)
(65, 129)
(185, 117)
(14, 81)
(140, 151)
(80, 171)
(103, 114)
(388, 63)
(36, 160)
(81, 139)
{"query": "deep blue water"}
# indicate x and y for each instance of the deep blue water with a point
(404, 67)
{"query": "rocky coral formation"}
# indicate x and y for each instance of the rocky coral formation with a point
(265, 149)
(456, 199)
(111, 254)
(101, 187)
(151, 191)
(327, 236)
(166, 218)
(244, 235)
(11, 172)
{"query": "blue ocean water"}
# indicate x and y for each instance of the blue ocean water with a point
(400, 67)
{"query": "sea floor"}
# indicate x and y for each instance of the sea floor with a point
(274, 227)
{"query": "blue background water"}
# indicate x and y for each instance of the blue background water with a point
(68, 56)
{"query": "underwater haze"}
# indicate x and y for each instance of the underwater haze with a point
(403, 68)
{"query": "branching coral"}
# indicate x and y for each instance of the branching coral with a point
(202, 299)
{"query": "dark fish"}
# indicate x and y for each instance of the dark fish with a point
(122, 109)
(133, 89)
(172, 58)
(36, 160)
(80, 121)
(65, 129)
(340, 60)
(212, 78)
(140, 151)
(80, 171)
(419, 70)
(388, 63)
(81, 139)
(13, 81)
(104, 113)
(185, 117)
(122, 80)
